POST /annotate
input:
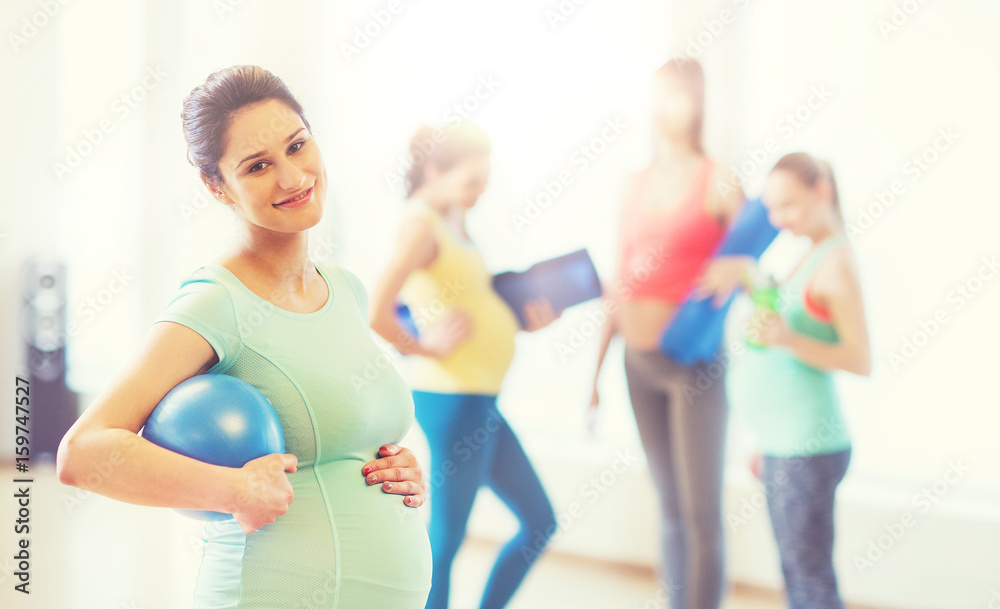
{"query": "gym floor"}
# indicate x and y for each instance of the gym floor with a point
(90, 552)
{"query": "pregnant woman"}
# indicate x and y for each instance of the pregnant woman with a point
(298, 332)
(465, 346)
(786, 392)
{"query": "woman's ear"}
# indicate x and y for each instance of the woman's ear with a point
(215, 187)
(431, 172)
(825, 190)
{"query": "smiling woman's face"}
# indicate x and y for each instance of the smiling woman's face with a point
(793, 205)
(272, 169)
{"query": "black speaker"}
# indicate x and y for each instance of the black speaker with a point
(43, 328)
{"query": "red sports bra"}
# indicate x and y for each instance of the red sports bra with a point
(814, 309)
(664, 252)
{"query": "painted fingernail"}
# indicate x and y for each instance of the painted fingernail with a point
(408, 500)
(367, 470)
(388, 486)
(371, 479)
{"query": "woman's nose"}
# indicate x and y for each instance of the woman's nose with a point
(290, 175)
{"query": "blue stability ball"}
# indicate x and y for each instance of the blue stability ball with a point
(218, 419)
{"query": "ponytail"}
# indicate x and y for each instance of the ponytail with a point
(827, 170)
(421, 141)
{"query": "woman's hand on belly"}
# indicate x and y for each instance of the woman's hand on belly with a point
(264, 492)
(399, 473)
(446, 335)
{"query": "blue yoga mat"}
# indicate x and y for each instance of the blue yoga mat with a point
(565, 281)
(696, 331)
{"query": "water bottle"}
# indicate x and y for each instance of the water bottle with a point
(764, 295)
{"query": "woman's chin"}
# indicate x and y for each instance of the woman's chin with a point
(303, 221)
(673, 133)
(314, 218)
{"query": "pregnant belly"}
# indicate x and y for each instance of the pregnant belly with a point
(382, 544)
(494, 328)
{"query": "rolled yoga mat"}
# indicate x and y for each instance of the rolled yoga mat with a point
(696, 331)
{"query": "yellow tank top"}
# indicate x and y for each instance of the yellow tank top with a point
(458, 279)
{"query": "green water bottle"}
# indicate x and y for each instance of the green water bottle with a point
(764, 295)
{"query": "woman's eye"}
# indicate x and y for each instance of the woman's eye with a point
(256, 167)
(296, 146)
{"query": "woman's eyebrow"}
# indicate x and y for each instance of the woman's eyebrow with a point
(262, 153)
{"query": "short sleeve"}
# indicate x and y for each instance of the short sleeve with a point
(360, 293)
(206, 307)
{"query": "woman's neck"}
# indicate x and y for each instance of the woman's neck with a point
(824, 230)
(284, 256)
(451, 213)
(670, 151)
(427, 194)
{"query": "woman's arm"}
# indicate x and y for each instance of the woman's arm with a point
(416, 247)
(611, 301)
(608, 331)
(102, 452)
(837, 287)
(725, 275)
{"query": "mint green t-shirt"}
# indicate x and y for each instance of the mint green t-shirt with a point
(791, 407)
(342, 544)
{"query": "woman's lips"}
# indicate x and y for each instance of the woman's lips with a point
(296, 201)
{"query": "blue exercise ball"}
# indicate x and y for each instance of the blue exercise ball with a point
(218, 419)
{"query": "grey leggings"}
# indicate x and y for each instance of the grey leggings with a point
(801, 511)
(681, 413)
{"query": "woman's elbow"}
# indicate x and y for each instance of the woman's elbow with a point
(66, 459)
(377, 322)
(71, 458)
(862, 365)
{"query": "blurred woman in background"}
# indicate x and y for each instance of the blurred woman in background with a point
(786, 392)
(673, 215)
(464, 348)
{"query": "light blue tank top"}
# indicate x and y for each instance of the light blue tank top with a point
(342, 544)
(791, 407)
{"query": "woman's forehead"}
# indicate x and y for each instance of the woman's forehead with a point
(259, 128)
